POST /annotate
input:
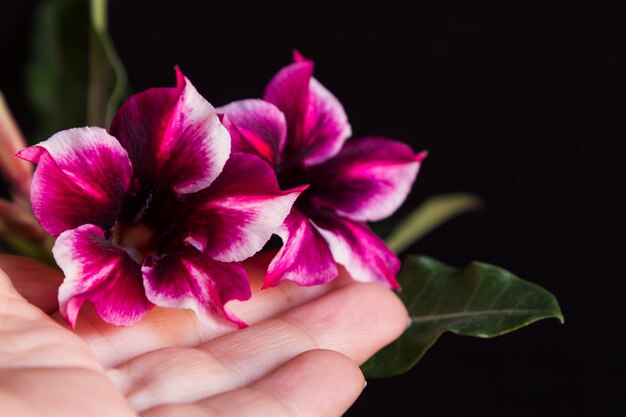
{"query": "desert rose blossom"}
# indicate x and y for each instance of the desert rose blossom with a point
(301, 129)
(156, 212)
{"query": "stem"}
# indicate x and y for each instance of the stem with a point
(101, 105)
(99, 15)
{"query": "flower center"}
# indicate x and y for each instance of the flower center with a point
(291, 176)
(151, 223)
(136, 241)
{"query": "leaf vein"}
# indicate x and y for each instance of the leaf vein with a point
(462, 314)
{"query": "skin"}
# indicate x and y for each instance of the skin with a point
(298, 358)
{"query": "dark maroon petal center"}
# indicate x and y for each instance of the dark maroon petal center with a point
(293, 175)
(151, 222)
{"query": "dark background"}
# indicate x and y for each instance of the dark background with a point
(520, 102)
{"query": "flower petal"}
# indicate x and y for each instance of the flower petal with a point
(317, 125)
(238, 213)
(81, 178)
(97, 271)
(364, 255)
(256, 127)
(367, 181)
(305, 257)
(173, 137)
(189, 279)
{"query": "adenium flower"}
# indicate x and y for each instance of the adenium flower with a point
(156, 212)
(301, 129)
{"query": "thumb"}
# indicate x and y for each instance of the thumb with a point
(32, 338)
(38, 283)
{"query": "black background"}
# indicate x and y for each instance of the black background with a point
(520, 102)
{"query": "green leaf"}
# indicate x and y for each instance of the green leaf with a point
(429, 215)
(479, 300)
(74, 76)
(22, 247)
(57, 73)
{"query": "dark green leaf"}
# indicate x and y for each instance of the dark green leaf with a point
(479, 300)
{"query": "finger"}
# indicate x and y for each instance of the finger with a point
(163, 328)
(356, 320)
(45, 369)
(59, 392)
(273, 301)
(36, 282)
(30, 339)
(316, 383)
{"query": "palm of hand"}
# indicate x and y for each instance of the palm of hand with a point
(299, 357)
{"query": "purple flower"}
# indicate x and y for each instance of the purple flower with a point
(156, 212)
(300, 128)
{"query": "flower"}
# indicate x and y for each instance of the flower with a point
(301, 129)
(156, 212)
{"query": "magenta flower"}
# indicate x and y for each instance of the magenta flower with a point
(300, 128)
(156, 212)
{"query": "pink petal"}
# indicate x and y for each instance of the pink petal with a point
(81, 178)
(238, 213)
(305, 257)
(97, 271)
(190, 279)
(317, 125)
(367, 181)
(173, 137)
(256, 127)
(364, 255)
(298, 57)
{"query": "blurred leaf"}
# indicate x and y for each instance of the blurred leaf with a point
(429, 215)
(58, 69)
(20, 232)
(479, 300)
(23, 247)
(74, 76)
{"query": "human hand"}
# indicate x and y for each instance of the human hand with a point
(299, 357)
